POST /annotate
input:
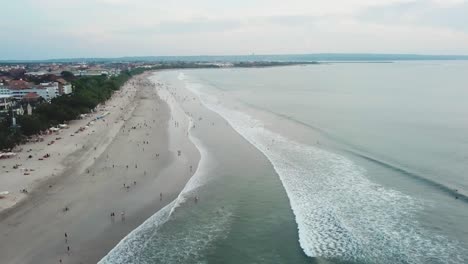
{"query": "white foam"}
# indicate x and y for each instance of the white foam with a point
(204, 165)
(339, 212)
(130, 247)
(181, 76)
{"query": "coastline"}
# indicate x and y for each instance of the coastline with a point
(245, 186)
(238, 190)
(89, 180)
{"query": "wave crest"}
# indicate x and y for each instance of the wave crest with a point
(340, 213)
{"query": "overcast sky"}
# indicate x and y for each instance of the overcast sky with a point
(38, 29)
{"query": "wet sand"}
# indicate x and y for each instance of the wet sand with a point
(94, 181)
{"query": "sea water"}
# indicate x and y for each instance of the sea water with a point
(368, 165)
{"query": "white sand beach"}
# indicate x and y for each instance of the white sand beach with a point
(131, 163)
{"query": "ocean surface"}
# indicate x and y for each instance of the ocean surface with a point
(348, 163)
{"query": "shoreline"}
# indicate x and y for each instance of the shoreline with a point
(189, 190)
(91, 185)
(235, 182)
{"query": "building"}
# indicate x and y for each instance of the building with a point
(4, 90)
(19, 84)
(64, 87)
(31, 98)
(52, 90)
(17, 88)
(38, 73)
(20, 88)
(67, 89)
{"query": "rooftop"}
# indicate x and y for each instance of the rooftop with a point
(30, 97)
(19, 85)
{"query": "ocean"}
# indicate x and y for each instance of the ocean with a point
(327, 163)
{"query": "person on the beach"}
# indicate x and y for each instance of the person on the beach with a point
(122, 214)
(68, 249)
(160, 196)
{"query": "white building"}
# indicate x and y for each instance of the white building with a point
(52, 90)
(64, 87)
(67, 89)
(46, 92)
(4, 90)
(53, 87)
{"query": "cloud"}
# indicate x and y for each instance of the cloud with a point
(187, 27)
(114, 2)
(450, 15)
(448, 3)
(171, 27)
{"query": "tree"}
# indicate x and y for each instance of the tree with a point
(17, 73)
(31, 125)
(88, 93)
(68, 76)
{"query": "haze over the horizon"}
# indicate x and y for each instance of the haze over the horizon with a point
(43, 29)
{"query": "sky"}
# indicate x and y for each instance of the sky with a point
(46, 29)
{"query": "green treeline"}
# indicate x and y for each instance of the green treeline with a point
(88, 92)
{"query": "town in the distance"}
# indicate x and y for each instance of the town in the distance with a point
(24, 86)
(39, 96)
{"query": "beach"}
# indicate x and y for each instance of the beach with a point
(98, 184)
(229, 166)
(235, 215)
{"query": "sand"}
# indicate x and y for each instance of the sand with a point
(88, 174)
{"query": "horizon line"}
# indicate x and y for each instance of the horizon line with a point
(407, 55)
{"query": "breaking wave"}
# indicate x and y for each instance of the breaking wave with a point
(340, 213)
